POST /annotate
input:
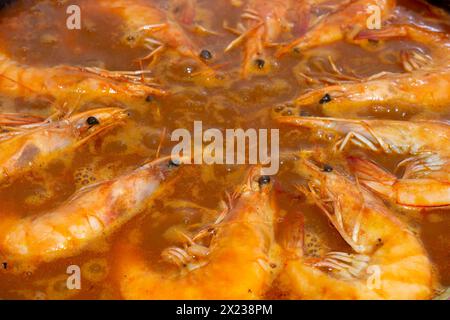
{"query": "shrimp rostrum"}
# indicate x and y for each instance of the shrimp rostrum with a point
(264, 21)
(60, 82)
(239, 264)
(386, 260)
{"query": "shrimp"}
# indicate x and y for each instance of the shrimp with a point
(387, 262)
(346, 23)
(264, 22)
(26, 147)
(57, 82)
(427, 90)
(149, 26)
(424, 185)
(237, 266)
(92, 212)
(416, 138)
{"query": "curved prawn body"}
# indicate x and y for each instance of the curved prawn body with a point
(386, 136)
(17, 80)
(345, 23)
(424, 185)
(150, 27)
(387, 262)
(27, 146)
(237, 265)
(93, 212)
(426, 89)
(264, 22)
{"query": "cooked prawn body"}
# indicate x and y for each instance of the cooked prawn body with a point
(18, 119)
(93, 212)
(60, 82)
(237, 267)
(386, 136)
(424, 90)
(425, 86)
(379, 242)
(425, 183)
(20, 150)
(264, 22)
(151, 27)
(345, 23)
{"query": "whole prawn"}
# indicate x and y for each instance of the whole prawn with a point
(425, 85)
(93, 212)
(38, 143)
(380, 243)
(243, 241)
(384, 136)
(424, 185)
(345, 23)
(17, 80)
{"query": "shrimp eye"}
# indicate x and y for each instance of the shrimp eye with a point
(327, 168)
(325, 99)
(206, 54)
(173, 164)
(92, 121)
(260, 63)
(263, 180)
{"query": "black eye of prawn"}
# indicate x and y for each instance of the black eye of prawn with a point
(263, 180)
(173, 164)
(206, 54)
(92, 121)
(260, 63)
